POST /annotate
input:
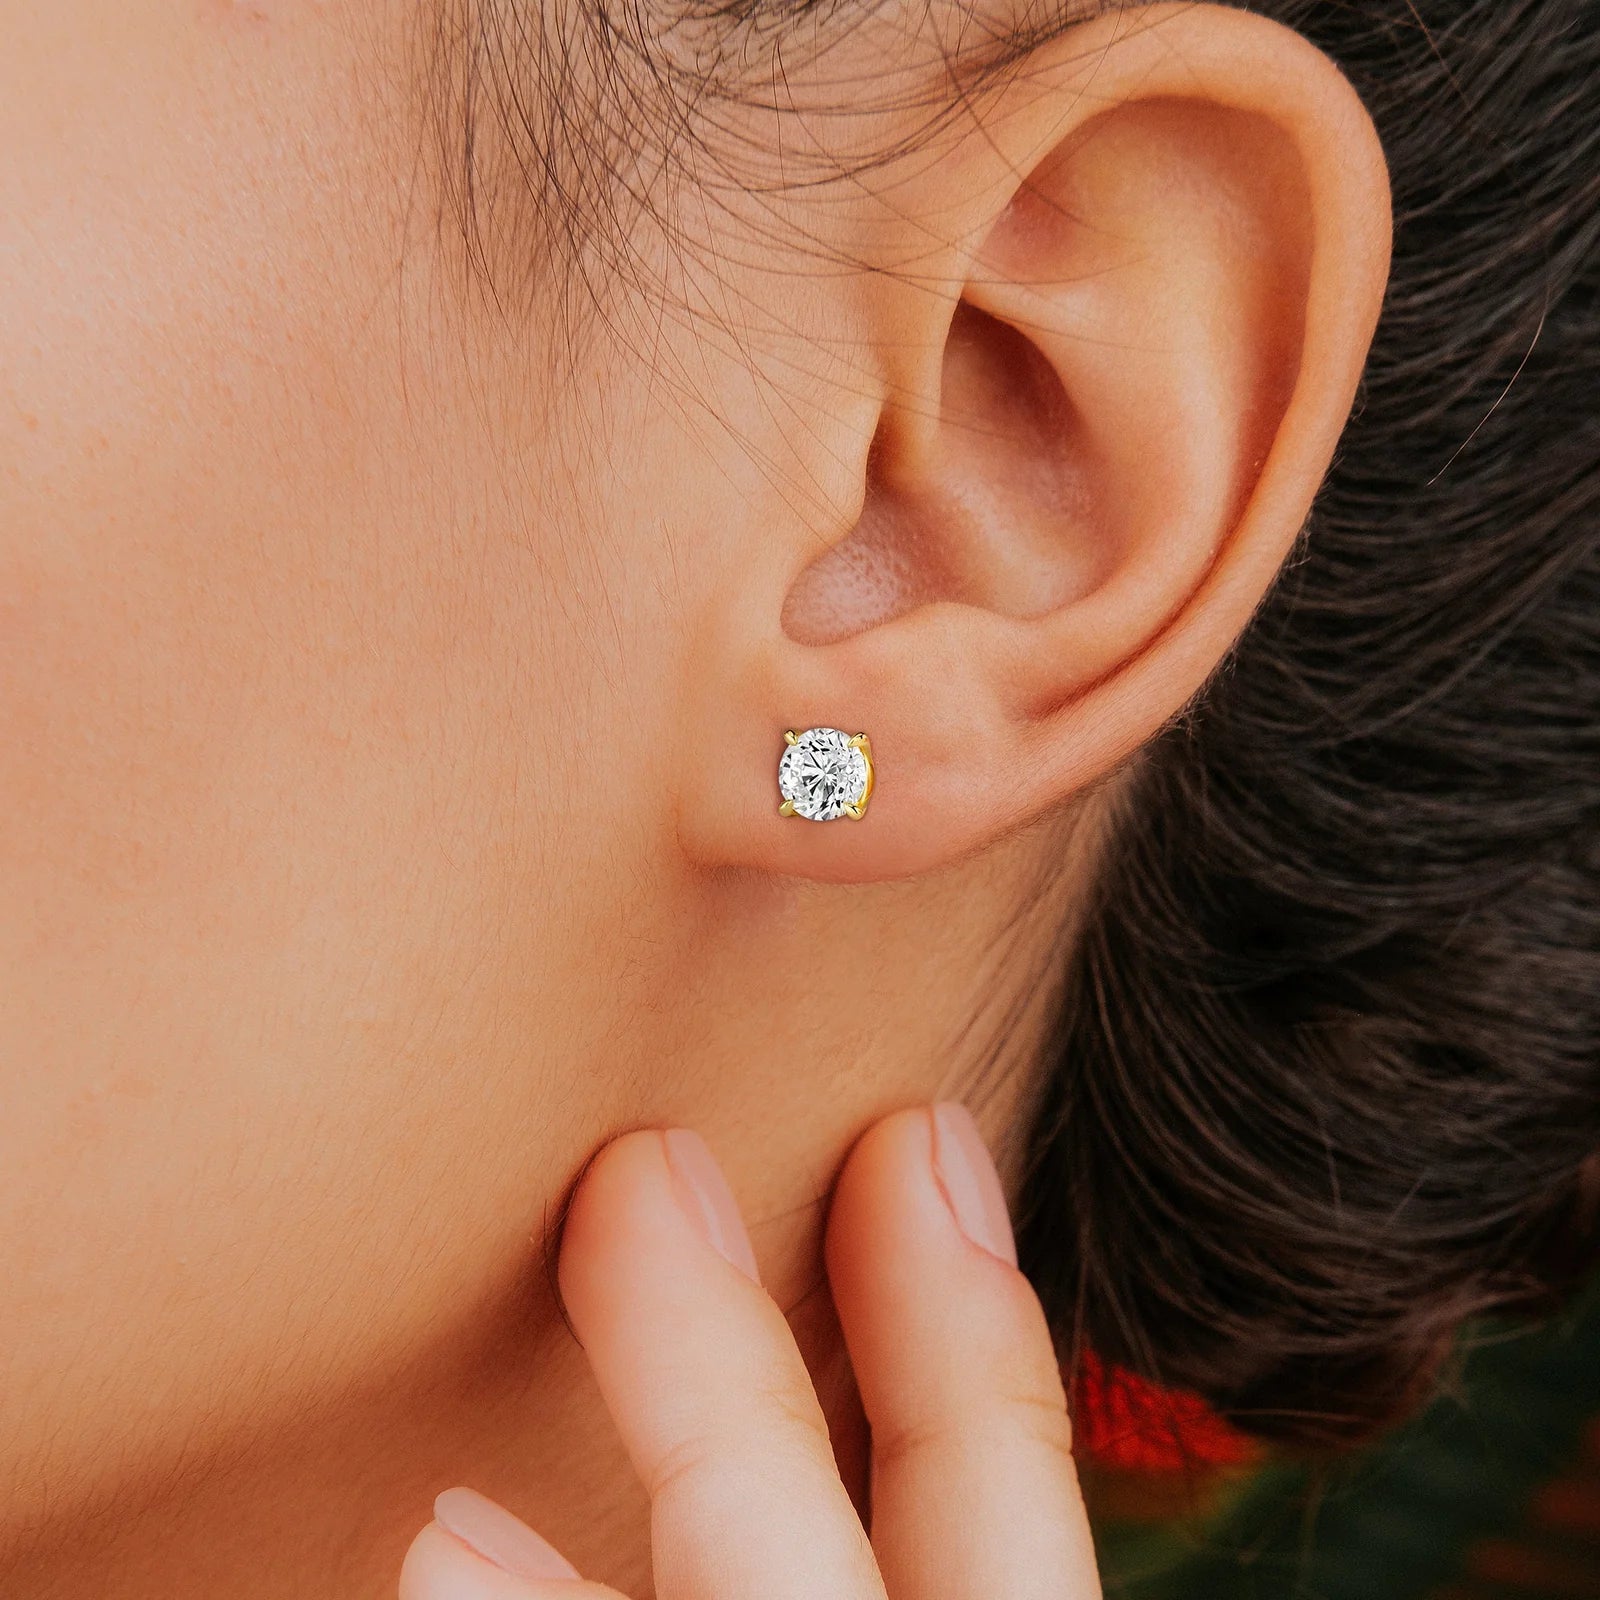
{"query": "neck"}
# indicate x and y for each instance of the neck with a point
(787, 1045)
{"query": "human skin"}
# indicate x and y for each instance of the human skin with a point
(391, 695)
(973, 1490)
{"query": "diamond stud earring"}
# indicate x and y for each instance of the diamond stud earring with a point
(824, 774)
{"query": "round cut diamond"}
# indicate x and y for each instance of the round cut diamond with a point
(822, 774)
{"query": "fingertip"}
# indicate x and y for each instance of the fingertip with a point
(885, 1170)
(915, 1235)
(439, 1567)
(966, 1175)
(598, 1209)
(906, 1161)
(891, 1147)
(474, 1549)
(652, 1214)
(494, 1533)
(706, 1200)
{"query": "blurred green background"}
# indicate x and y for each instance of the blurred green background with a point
(1492, 1493)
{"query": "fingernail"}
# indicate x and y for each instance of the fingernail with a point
(971, 1186)
(499, 1537)
(706, 1199)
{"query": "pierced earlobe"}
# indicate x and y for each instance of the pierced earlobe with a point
(825, 774)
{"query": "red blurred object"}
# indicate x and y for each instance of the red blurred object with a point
(1128, 1424)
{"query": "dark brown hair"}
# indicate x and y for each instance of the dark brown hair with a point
(1327, 1080)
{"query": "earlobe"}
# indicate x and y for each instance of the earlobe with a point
(1168, 244)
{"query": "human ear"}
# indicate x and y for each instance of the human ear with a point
(1111, 387)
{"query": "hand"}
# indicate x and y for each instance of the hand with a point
(973, 1491)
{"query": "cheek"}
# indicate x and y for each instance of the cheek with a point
(177, 366)
(318, 764)
(233, 659)
(176, 372)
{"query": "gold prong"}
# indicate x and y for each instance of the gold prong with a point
(790, 736)
(858, 811)
(786, 809)
(864, 745)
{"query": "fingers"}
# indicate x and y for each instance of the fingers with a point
(973, 1487)
(476, 1550)
(705, 1384)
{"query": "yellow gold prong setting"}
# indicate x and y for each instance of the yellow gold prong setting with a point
(824, 774)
